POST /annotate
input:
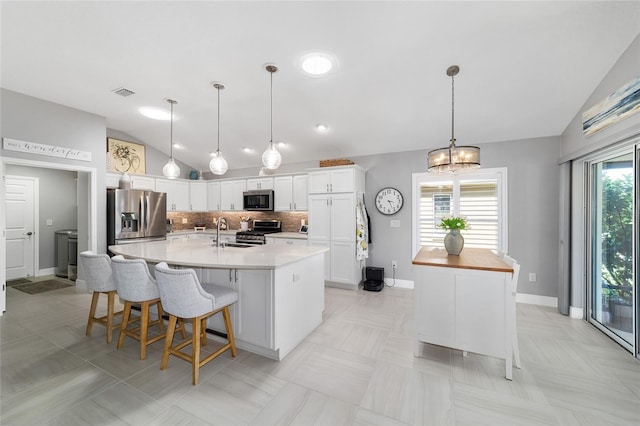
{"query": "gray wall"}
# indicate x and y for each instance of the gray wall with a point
(533, 207)
(155, 160)
(57, 201)
(575, 145)
(35, 120)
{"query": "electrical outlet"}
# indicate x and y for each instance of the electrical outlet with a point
(394, 264)
(532, 277)
(184, 220)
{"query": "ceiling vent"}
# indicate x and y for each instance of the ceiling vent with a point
(124, 92)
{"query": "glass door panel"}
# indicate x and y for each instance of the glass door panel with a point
(612, 293)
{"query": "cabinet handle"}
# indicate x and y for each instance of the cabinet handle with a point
(235, 275)
(331, 185)
(294, 206)
(289, 242)
(230, 280)
(290, 206)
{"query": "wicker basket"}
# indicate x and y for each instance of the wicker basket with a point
(336, 162)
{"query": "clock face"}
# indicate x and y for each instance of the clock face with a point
(389, 201)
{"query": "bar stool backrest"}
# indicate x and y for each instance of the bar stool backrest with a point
(181, 292)
(133, 279)
(97, 270)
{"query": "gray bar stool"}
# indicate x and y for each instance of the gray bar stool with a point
(183, 296)
(136, 286)
(99, 279)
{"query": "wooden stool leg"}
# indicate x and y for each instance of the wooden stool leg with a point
(125, 321)
(167, 341)
(195, 350)
(160, 312)
(92, 311)
(144, 328)
(203, 332)
(110, 303)
(183, 329)
(229, 327)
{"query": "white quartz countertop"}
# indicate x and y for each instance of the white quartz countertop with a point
(202, 253)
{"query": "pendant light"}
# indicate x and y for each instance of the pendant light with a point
(453, 157)
(171, 169)
(218, 165)
(271, 158)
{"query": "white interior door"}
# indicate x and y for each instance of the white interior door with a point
(20, 226)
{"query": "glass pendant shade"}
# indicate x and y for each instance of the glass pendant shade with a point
(218, 165)
(171, 169)
(271, 157)
(453, 158)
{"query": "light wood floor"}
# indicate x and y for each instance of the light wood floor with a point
(356, 368)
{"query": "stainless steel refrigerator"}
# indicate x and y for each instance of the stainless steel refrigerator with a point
(135, 216)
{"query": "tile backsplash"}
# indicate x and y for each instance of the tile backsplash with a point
(290, 220)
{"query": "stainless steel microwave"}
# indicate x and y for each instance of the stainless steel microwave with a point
(259, 199)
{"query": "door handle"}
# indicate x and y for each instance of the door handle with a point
(28, 233)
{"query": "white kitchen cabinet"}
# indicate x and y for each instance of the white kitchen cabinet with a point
(112, 180)
(231, 194)
(300, 192)
(287, 241)
(177, 194)
(290, 193)
(213, 196)
(336, 179)
(259, 183)
(255, 288)
(332, 223)
(198, 196)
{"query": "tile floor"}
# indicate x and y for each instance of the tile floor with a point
(356, 368)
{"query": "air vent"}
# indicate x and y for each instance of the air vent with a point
(124, 92)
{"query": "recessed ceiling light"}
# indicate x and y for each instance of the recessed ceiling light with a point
(177, 146)
(155, 113)
(322, 127)
(316, 64)
(247, 150)
(281, 144)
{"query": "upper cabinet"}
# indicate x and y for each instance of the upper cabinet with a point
(213, 196)
(290, 193)
(231, 194)
(177, 194)
(198, 196)
(260, 183)
(336, 179)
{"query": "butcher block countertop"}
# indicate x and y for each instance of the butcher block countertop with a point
(469, 258)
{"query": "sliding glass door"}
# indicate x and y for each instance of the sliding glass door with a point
(612, 242)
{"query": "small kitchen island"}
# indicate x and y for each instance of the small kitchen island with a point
(464, 302)
(281, 287)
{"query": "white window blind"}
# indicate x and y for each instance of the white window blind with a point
(478, 196)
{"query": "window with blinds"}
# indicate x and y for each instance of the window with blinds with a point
(476, 196)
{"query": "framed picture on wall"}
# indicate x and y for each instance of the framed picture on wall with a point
(123, 156)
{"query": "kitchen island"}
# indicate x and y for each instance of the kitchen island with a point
(464, 302)
(281, 287)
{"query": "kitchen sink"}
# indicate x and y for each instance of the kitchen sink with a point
(238, 245)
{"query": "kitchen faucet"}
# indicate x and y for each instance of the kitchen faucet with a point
(220, 219)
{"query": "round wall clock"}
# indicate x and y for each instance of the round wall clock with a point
(389, 201)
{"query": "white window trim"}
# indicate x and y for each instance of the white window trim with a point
(500, 173)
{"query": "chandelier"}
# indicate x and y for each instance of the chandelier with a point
(453, 158)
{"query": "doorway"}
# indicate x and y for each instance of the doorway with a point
(21, 204)
(612, 246)
(86, 209)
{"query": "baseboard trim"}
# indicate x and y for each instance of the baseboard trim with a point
(534, 299)
(46, 271)
(389, 282)
(576, 313)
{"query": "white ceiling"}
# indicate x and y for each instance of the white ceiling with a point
(526, 68)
